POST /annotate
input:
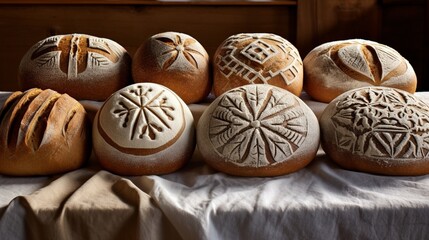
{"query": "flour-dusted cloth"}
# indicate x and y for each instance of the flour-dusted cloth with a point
(320, 201)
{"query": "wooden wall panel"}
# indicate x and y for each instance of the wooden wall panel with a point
(320, 21)
(23, 25)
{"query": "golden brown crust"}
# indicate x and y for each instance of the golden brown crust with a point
(44, 133)
(258, 130)
(174, 60)
(77, 64)
(336, 67)
(257, 58)
(377, 130)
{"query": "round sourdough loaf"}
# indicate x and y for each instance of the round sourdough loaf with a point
(144, 128)
(377, 130)
(83, 66)
(255, 58)
(336, 67)
(177, 61)
(258, 130)
(41, 133)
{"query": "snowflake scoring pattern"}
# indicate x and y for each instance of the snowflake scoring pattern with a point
(142, 116)
(179, 46)
(382, 123)
(257, 125)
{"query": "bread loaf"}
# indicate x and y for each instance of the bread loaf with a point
(256, 58)
(83, 66)
(177, 61)
(258, 130)
(336, 67)
(42, 132)
(144, 128)
(377, 130)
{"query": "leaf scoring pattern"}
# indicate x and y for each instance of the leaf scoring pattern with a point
(382, 123)
(257, 125)
(144, 113)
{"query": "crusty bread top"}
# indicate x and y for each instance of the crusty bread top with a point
(385, 124)
(73, 55)
(142, 118)
(28, 120)
(257, 126)
(362, 60)
(177, 52)
(258, 57)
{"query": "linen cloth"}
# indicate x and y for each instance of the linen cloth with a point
(320, 201)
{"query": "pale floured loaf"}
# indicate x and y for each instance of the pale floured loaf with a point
(177, 61)
(144, 128)
(336, 67)
(83, 66)
(42, 132)
(258, 130)
(377, 130)
(257, 58)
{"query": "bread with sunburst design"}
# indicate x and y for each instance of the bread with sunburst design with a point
(177, 61)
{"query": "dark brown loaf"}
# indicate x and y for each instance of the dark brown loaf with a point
(83, 66)
(256, 58)
(258, 130)
(336, 67)
(377, 130)
(42, 132)
(177, 61)
(144, 128)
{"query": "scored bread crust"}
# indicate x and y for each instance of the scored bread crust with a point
(42, 132)
(144, 128)
(258, 130)
(335, 67)
(377, 130)
(83, 66)
(177, 61)
(257, 58)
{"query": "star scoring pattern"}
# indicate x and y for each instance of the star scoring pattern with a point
(257, 125)
(179, 47)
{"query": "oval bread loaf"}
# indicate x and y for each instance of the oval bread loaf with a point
(83, 66)
(336, 67)
(42, 132)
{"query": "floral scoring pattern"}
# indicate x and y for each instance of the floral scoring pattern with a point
(382, 123)
(179, 47)
(257, 125)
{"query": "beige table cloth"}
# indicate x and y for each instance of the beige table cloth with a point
(321, 201)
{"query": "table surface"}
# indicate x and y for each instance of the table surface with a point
(320, 201)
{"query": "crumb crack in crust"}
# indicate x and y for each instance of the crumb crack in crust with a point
(74, 53)
(374, 63)
(42, 132)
